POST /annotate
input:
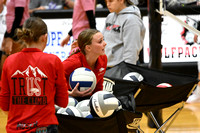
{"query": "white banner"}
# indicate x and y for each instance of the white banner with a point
(57, 30)
(177, 42)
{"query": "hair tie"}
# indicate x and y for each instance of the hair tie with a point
(74, 50)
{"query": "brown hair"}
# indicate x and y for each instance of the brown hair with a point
(32, 29)
(129, 2)
(85, 38)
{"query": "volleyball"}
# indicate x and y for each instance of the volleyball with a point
(133, 76)
(84, 107)
(57, 107)
(119, 106)
(164, 85)
(89, 116)
(72, 101)
(85, 77)
(103, 104)
(70, 110)
(60, 110)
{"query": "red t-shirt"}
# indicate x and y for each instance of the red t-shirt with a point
(32, 82)
(79, 60)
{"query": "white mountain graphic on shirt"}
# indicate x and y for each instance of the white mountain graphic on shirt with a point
(30, 70)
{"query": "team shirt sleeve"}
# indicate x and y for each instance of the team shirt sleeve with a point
(61, 97)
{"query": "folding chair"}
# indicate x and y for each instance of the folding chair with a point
(149, 97)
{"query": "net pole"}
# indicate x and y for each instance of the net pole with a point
(155, 47)
(154, 34)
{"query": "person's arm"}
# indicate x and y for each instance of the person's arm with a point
(39, 8)
(6, 49)
(5, 91)
(132, 39)
(198, 65)
(37, 5)
(199, 78)
(3, 58)
(99, 85)
(70, 33)
(61, 95)
(195, 38)
(67, 38)
(69, 4)
(16, 24)
(69, 66)
(91, 19)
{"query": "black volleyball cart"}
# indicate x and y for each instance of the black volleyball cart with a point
(136, 98)
(149, 98)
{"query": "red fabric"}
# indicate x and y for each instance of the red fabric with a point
(0, 85)
(79, 60)
(32, 82)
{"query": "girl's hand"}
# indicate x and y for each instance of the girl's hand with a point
(76, 93)
(74, 45)
(7, 45)
(65, 41)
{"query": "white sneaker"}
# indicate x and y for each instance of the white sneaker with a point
(194, 98)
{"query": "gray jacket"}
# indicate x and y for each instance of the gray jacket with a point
(124, 34)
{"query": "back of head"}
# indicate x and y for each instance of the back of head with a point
(32, 29)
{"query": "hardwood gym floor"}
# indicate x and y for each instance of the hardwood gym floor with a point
(188, 121)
